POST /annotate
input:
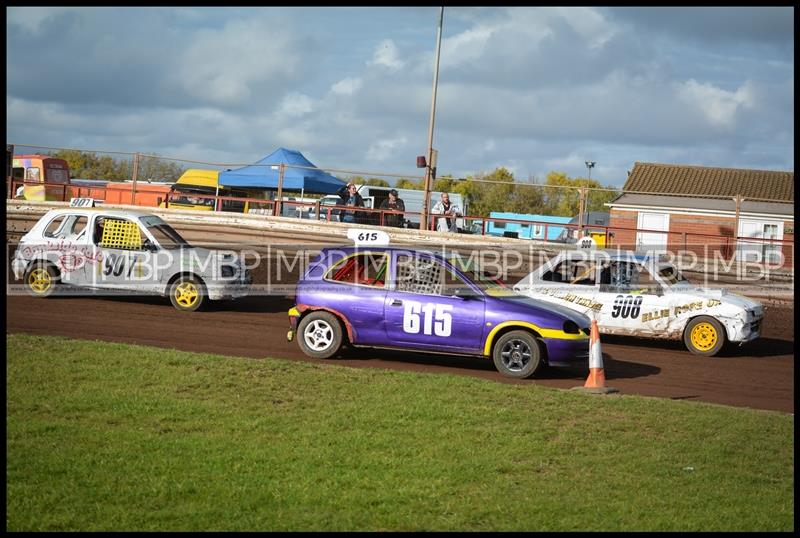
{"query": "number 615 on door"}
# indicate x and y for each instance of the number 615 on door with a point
(430, 318)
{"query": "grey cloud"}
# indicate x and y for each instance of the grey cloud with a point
(98, 56)
(768, 25)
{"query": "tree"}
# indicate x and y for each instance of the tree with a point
(565, 201)
(87, 165)
(414, 184)
(374, 181)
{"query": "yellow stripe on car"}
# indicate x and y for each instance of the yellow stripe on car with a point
(293, 312)
(544, 333)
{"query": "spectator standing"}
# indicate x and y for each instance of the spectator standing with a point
(350, 198)
(393, 203)
(444, 207)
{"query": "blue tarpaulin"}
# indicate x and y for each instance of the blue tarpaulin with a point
(265, 174)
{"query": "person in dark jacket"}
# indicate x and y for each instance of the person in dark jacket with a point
(351, 198)
(393, 203)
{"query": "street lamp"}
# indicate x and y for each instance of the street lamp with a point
(590, 165)
(582, 200)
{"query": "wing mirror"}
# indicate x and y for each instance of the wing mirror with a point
(465, 293)
(149, 246)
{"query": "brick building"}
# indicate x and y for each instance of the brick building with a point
(696, 206)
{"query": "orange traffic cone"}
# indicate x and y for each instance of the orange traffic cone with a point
(597, 377)
(596, 382)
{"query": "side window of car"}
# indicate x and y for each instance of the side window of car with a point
(646, 283)
(583, 273)
(425, 275)
(75, 226)
(622, 276)
(452, 282)
(55, 227)
(117, 234)
(556, 274)
(366, 269)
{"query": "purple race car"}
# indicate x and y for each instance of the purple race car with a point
(393, 297)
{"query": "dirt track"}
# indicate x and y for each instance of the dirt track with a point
(758, 375)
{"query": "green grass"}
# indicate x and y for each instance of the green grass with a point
(107, 436)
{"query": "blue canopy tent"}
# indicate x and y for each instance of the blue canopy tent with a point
(265, 174)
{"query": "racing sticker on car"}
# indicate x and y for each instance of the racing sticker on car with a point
(429, 318)
(114, 264)
(697, 305)
(571, 297)
(657, 314)
(626, 306)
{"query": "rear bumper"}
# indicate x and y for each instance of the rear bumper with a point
(567, 352)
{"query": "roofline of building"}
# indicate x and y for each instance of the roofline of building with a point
(704, 212)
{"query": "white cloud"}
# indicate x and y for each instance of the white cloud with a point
(347, 86)
(719, 106)
(590, 24)
(382, 150)
(467, 46)
(295, 105)
(386, 55)
(223, 66)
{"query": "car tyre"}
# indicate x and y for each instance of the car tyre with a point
(41, 279)
(319, 335)
(187, 293)
(704, 336)
(517, 354)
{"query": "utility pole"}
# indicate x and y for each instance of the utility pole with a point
(582, 193)
(276, 209)
(135, 177)
(423, 221)
(738, 199)
(582, 209)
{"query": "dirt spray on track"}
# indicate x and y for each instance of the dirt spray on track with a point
(758, 375)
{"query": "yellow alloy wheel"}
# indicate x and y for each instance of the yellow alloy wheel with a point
(186, 294)
(39, 280)
(704, 336)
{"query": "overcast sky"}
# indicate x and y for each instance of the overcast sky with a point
(529, 88)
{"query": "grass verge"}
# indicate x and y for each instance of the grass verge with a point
(105, 436)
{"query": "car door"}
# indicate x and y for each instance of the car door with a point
(121, 260)
(423, 309)
(631, 299)
(66, 238)
(355, 288)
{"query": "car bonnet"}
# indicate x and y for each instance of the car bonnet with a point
(513, 298)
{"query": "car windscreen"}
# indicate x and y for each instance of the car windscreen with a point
(165, 234)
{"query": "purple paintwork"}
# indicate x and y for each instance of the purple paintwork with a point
(390, 317)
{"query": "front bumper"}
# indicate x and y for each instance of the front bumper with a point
(745, 332)
(294, 318)
(562, 352)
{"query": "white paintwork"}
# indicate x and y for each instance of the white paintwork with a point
(664, 308)
(83, 263)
